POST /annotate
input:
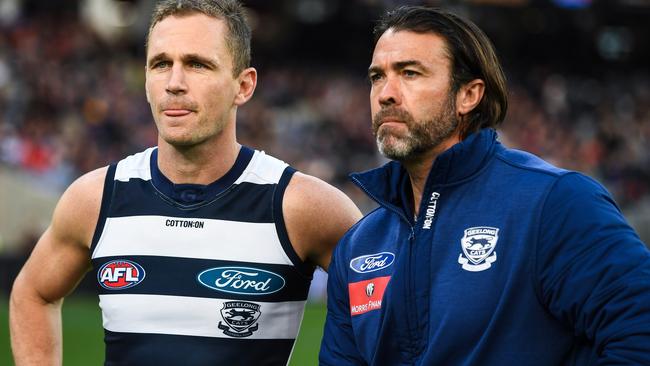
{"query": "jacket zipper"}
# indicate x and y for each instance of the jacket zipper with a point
(419, 222)
(410, 300)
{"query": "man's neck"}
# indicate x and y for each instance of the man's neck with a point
(200, 164)
(419, 168)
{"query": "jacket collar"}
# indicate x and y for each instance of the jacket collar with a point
(387, 184)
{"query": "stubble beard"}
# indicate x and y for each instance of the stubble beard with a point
(193, 132)
(191, 137)
(421, 136)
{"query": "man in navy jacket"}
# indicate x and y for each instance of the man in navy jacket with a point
(477, 254)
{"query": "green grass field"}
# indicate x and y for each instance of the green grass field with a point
(82, 333)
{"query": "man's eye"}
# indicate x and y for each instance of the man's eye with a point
(410, 73)
(197, 65)
(374, 78)
(161, 65)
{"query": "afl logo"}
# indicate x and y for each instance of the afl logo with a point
(372, 262)
(120, 275)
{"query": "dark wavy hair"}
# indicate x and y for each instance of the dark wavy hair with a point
(238, 39)
(471, 53)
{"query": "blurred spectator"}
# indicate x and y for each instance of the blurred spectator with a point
(70, 103)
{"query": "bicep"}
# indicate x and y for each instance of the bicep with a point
(54, 268)
(593, 270)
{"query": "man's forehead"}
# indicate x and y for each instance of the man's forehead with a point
(195, 18)
(399, 46)
(187, 33)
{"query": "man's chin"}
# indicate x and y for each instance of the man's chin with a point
(395, 150)
(180, 142)
(403, 150)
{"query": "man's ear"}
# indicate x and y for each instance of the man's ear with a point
(247, 83)
(146, 90)
(469, 96)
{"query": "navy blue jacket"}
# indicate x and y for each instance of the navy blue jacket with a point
(511, 261)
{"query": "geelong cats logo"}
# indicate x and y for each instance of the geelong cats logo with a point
(240, 318)
(478, 245)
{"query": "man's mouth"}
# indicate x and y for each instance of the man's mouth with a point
(176, 112)
(390, 120)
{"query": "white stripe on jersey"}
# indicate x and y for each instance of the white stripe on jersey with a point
(217, 239)
(194, 316)
(135, 166)
(262, 169)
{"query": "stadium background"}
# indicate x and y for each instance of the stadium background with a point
(72, 99)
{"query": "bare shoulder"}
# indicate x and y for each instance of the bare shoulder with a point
(308, 197)
(77, 212)
(316, 214)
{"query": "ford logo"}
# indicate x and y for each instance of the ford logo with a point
(372, 262)
(241, 280)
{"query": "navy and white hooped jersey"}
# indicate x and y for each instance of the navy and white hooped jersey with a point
(198, 275)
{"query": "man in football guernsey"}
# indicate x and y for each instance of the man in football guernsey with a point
(478, 255)
(202, 249)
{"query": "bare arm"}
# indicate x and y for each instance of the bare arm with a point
(55, 267)
(316, 215)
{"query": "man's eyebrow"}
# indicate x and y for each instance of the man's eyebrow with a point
(158, 57)
(186, 58)
(403, 64)
(374, 70)
(201, 59)
(399, 65)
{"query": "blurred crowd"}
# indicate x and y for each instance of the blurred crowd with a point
(71, 102)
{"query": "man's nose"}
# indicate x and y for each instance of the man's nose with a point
(390, 93)
(176, 83)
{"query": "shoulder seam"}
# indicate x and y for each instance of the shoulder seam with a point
(538, 170)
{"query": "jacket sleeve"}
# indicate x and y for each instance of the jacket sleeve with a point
(594, 271)
(338, 346)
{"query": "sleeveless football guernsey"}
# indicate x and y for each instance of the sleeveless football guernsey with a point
(198, 275)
